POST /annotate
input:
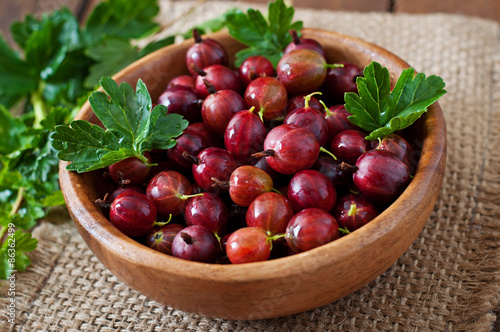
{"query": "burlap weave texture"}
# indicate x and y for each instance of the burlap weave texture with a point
(448, 280)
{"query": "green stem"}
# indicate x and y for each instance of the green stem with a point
(277, 191)
(15, 207)
(219, 239)
(334, 65)
(274, 238)
(308, 98)
(184, 197)
(261, 114)
(143, 158)
(39, 107)
(322, 149)
(160, 224)
(344, 230)
(352, 210)
(19, 200)
(327, 110)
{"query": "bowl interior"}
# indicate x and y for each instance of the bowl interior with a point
(277, 287)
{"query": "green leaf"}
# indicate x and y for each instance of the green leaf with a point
(17, 78)
(13, 253)
(54, 199)
(84, 144)
(110, 55)
(119, 109)
(160, 129)
(46, 47)
(122, 18)
(21, 31)
(131, 128)
(280, 19)
(381, 111)
(11, 132)
(265, 37)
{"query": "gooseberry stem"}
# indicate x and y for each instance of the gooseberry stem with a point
(327, 110)
(352, 210)
(322, 149)
(334, 65)
(184, 197)
(276, 191)
(308, 98)
(274, 238)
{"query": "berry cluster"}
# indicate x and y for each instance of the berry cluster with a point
(265, 169)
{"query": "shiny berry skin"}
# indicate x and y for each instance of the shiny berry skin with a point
(340, 80)
(182, 80)
(400, 147)
(312, 120)
(302, 71)
(268, 96)
(336, 117)
(133, 213)
(247, 182)
(301, 42)
(169, 190)
(271, 212)
(213, 163)
(191, 142)
(311, 228)
(196, 243)
(182, 100)
(130, 171)
(349, 144)
(381, 176)
(207, 210)
(310, 188)
(353, 211)
(160, 239)
(253, 67)
(263, 165)
(221, 77)
(247, 245)
(218, 109)
(201, 129)
(205, 52)
(244, 136)
(292, 149)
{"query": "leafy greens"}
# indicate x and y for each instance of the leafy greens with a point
(263, 37)
(131, 128)
(381, 111)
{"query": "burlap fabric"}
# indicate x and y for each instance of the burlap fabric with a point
(449, 279)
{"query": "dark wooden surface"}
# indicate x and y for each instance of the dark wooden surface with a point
(12, 10)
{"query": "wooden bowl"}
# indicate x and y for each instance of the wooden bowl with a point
(272, 288)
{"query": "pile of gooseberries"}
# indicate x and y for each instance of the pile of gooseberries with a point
(269, 166)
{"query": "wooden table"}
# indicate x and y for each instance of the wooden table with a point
(14, 10)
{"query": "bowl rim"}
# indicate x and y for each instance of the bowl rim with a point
(91, 223)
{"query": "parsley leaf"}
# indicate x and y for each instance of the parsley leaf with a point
(381, 111)
(122, 18)
(265, 37)
(131, 128)
(17, 77)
